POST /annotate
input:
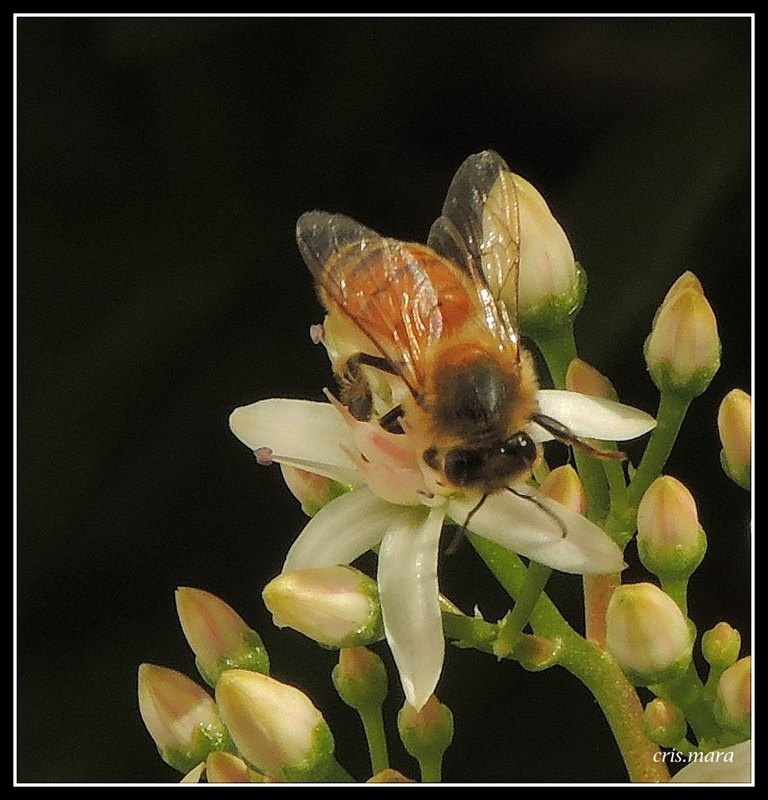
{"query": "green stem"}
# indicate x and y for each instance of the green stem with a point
(672, 408)
(594, 667)
(688, 694)
(558, 349)
(677, 589)
(337, 774)
(373, 725)
(431, 769)
(513, 624)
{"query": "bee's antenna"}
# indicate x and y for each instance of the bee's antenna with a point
(458, 537)
(535, 500)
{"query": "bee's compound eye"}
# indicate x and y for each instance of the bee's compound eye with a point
(520, 446)
(463, 467)
(431, 458)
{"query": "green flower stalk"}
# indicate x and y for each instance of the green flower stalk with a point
(360, 678)
(336, 606)
(180, 716)
(218, 636)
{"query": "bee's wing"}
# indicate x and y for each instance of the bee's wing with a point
(479, 230)
(380, 285)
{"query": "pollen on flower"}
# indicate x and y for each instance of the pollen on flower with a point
(263, 456)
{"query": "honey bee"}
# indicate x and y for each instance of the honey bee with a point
(432, 316)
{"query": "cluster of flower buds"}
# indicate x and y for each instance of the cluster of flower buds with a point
(255, 728)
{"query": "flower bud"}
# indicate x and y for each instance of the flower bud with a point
(360, 678)
(217, 635)
(733, 699)
(670, 541)
(275, 726)
(683, 348)
(664, 722)
(584, 378)
(551, 285)
(564, 485)
(313, 491)
(734, 422)
(647, 634)
(720, 646)
(180, 716)
(426, 734)
(336, 606)
(227, 768)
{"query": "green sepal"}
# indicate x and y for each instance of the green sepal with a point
(252, 655)
(741, 477)
(557, 311)
(688, 386)
(206, 739)
(315, 768)
(673, 564)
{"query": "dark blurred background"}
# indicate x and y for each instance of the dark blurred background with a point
(162, 163)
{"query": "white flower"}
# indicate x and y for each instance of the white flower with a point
(391, 506)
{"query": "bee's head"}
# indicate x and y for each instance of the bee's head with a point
(489, 467)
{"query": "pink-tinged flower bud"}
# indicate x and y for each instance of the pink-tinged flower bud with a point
(336, 606)
(360, 678)
(683, 348)
(564, 485)
(227, 768)
(218, 636)
(180, 716)
(733, 700)
(311, 490)
(276, 727)
(584, 378)
(720, 646)
(664, 723)
(734, 422)
(647, 634)
(426, 734)
(670, 541)
(551, 285)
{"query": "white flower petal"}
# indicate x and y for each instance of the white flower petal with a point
(410, 607)
(729, 765)
(591, 417)
(522, 526)
(300, 433)
(346, 528)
